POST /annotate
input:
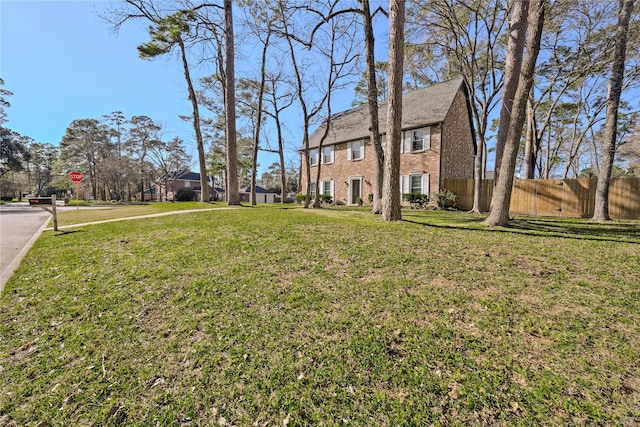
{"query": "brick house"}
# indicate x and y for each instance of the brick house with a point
(181, 180)
(438, 144)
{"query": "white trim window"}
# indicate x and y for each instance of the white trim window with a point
(313, 157)
(327, 187)
(312, 189)
(327, 155)
(417, 140)
(355, 150)
(415, 182)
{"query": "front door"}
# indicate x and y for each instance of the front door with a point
(355, 188)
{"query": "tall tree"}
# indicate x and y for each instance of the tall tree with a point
(13, 153)
(116, 120)
(461, 37)
(4, 93)
(144, 135)
(499, 214)
(279, 102)
(168, 158)
(169, 29)
(512, 67)
(601, 209)
(287, 29)
(391, 185)
(167, 33)
(233, 196)
(85, 144)
(372, 101)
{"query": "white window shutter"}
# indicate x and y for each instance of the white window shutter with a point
(427, 138)
(404, 184)
(402, 135)
(408, 139)
(425, 183)
(363, 145)
(349, 151)
(332, 190)
(321, 188)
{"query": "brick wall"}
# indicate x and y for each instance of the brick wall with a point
(457, 150)
(452, 142)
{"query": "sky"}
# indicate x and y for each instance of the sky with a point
(62, 63)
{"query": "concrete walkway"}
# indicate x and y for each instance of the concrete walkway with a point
(63, 227)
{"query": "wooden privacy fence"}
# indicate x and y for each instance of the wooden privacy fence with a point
(556, 197)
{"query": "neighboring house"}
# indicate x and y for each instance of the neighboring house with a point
(183, 179)
(438, 143)
(262, 195)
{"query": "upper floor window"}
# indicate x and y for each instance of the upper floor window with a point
(327, 154)
(417, 140)
(313, 157)
(355, 150)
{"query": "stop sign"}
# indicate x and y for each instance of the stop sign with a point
(76, 177)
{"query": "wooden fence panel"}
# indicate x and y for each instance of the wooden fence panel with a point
(624, 198)
(568, 197)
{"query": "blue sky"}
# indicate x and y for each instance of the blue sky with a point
(62, 63)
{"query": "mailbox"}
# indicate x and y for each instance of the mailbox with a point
(40, 201)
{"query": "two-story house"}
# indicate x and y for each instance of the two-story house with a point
(438, 143)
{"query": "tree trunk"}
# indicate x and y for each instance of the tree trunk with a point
(372, 99)
(391, 185)
(513, 65)
(499, 214)
(233, 196)
(256, 147)
(532, 144)
(204, 186)
(601, 209)
(477, 179)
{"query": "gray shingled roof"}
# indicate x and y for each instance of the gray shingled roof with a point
(422, 107)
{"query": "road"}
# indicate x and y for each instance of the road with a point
(20, 226)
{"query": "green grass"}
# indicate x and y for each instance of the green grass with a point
(107, 212)
(285, 316)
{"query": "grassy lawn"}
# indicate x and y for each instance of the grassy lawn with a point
(282, 316)
(106, 212)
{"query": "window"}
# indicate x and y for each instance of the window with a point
(313, 157)
(417, 140)
(312, 189)
(415, 182)
(355, 150)
(326, 187)
(327, 154)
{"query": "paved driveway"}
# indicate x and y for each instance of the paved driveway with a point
(20, 226)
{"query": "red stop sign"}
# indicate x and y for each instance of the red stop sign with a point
(76, 177)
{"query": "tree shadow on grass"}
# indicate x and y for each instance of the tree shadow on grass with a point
(65, 232)
(623, 232)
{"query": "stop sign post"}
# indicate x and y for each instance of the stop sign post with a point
(76, 177)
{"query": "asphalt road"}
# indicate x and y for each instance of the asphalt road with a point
(20, 226)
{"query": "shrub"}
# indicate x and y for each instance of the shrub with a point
(447, 199)
(185, 195)
(326, 198)
(416, 200)
(359, 200)
(300, 198)
(370, 198)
